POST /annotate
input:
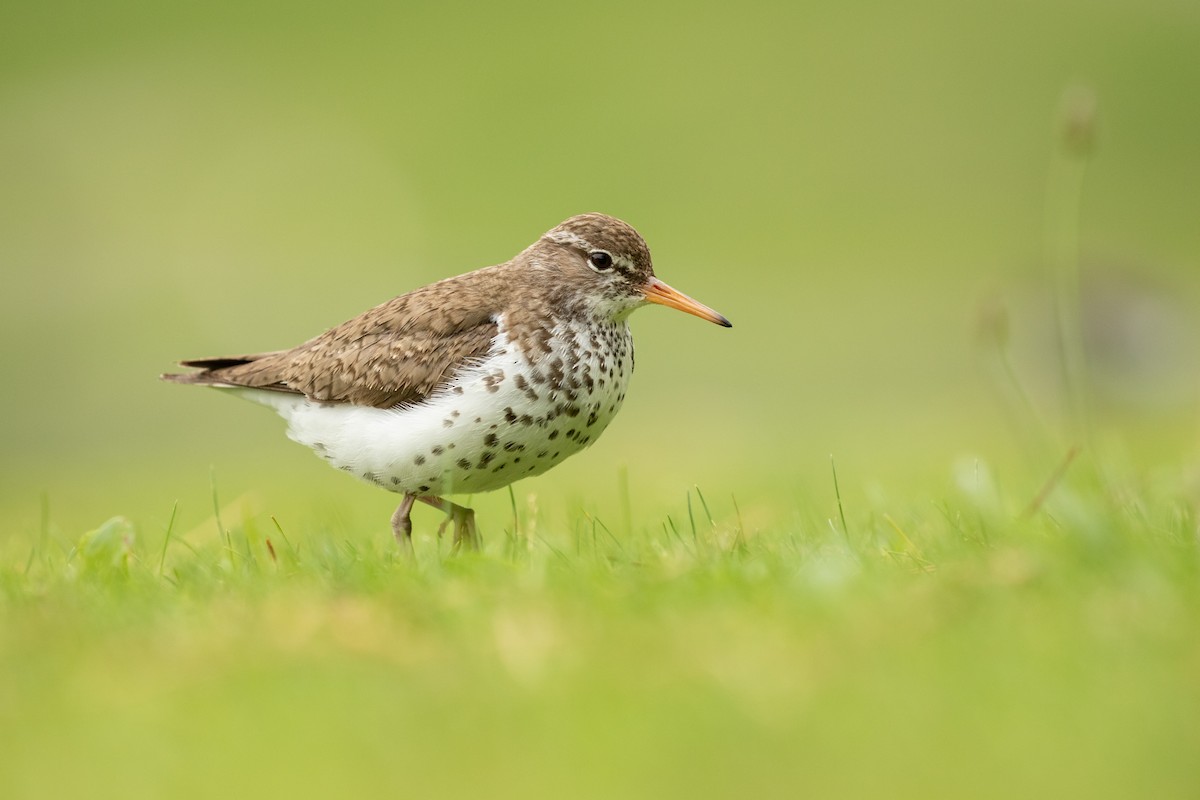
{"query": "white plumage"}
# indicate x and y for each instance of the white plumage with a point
(481, 431)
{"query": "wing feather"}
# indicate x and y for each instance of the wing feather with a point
(396, 353)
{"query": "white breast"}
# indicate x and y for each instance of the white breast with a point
(498, 421)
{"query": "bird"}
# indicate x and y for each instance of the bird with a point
(470, 383)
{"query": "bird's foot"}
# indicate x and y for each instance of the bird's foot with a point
(465, 533)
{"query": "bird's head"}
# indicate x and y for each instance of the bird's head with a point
(607, 266)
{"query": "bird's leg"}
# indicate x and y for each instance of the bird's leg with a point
(401, 524)
(463, 518)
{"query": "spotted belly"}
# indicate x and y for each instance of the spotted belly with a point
(504, 419)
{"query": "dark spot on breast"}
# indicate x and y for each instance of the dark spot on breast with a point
(438, 450)
(524, 386)
(486, 458)
(395, 481)
(423, 488)
(454, 413)
(493, 381)
(526, 419)
(509, 415)
(513, 446)
(491, 440)
(419, 460)
(464, 464)
(553, 435)
(457, 390)
(447, 423)
(591, 420)
(542, 454)
(499, 467)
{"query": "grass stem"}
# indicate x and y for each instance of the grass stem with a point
(162, 558)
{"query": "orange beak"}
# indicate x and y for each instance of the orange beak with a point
(658, 292)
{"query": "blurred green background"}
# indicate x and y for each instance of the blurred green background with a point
(885, 198)
(861, 187)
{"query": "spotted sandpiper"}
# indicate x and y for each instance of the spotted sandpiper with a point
(473, 382)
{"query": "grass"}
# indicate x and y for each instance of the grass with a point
(980, 643)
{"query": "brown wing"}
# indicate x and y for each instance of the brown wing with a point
(398, 352)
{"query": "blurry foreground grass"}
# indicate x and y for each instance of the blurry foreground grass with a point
(990, 641)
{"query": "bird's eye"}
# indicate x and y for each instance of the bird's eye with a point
(600, 260)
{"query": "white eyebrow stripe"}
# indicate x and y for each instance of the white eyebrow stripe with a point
(622, 261)
(568, 238)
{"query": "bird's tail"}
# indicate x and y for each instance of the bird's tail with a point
(213, 371)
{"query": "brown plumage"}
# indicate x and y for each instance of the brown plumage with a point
(558, 308)
(393, 354)
(402, 350)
